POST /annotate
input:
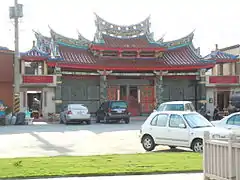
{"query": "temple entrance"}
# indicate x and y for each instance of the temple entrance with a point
(123, 93)
(133, 101)
(34, 103)
(223, 99)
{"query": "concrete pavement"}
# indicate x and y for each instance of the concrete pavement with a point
(73, 140)
(195, 176)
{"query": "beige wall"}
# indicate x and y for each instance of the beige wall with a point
(210, 94)
(228, 68)
(48, 104)
(48, 94)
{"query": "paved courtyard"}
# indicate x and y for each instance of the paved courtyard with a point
(58, 139)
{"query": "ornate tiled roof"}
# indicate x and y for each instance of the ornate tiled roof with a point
(137, 42)
(76, 55)
(179, 42)
(221, 57)
(105, 27)
(81, 42)
(35, 52)
(176, 59)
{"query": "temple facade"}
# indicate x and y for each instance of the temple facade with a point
(120, 63)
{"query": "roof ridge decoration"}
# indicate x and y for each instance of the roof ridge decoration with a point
(83, 39)
(33, 51)
(221, 54)
(180, 42)
(47, 45)
(63, 40)
(43, 42)
(124, 31)
(160, 40)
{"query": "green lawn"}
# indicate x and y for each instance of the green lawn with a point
(101, 165)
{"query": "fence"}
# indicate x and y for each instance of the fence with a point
(221, 158)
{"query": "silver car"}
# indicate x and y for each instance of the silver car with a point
(176, 106)
(75, 113)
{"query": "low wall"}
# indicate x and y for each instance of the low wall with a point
(221, 158)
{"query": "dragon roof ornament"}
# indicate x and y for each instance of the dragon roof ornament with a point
(43, 42)
(67, 41)
(179, 42)
(124, 31)
(83, 39)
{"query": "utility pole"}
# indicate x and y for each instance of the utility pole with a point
(15, 13)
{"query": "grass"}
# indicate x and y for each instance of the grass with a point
(148, 163)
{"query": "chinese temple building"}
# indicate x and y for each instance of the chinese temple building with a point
(120, 63)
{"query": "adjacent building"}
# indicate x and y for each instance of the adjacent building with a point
(223, 80)
(120, 63)
(6, 76)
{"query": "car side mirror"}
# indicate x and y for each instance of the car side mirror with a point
(182, 126)
(154, 110)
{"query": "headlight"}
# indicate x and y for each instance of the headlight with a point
(218, 136)
(215, 136)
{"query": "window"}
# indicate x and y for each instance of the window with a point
(175, 121)
(154, 121)
(234, 120)
(195, 120)
(160, 120)
(119, 105)
(171, 107)
(220, 69)
(189, 107)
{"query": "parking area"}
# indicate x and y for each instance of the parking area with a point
(58, 139)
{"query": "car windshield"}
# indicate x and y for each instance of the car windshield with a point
(78, 107)
(171, 107)
(119, 105)
(197, 121)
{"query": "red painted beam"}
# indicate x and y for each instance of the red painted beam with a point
(223, 79)
(103, 48)
(128, 68)
(33, 58)
(37, 79)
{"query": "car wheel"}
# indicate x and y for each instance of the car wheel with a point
(127, 121)
(88, 122)
(148, 143)
(197, 145)
(172, 147)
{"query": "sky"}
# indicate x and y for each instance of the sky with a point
(214, 21)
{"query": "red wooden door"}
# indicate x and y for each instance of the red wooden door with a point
(112, 92)
(147, 98)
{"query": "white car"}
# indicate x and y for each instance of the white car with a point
(75, 113)
(178, 129)
(231, 121)
(176, 106)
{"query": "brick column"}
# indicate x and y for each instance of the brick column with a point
(201, 89)
(103, 85)
(58, 89)
(159, 87)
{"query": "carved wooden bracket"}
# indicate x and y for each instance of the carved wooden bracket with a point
(104, 73)
(160, 73)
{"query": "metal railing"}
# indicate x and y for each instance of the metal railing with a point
(221, 158)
